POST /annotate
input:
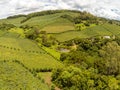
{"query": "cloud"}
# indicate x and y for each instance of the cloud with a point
(103, 8)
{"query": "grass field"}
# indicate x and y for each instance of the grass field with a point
(13, 76)
(101, 30)
(60, 25)
(27, 52)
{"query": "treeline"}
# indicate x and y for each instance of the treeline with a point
(84, 18)
(114, 22)
(73, 78)
(16, 16)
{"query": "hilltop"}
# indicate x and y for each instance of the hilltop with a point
(57, 21)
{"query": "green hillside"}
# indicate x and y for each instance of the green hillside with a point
(27, 52)
(100, 30)
(35, 50)
(54, 22)
(14, 76)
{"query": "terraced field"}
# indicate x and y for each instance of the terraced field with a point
(13, 76)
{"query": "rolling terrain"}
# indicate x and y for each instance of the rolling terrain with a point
(31, 47)
(60, 27)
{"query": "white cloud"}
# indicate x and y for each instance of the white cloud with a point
(103, 8)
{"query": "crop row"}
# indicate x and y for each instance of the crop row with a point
(17, 49)
(20, 78)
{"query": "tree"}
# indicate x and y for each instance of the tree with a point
(73, 78)
(110, 56)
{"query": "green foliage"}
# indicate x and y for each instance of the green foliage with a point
(110, 55)
(30, 34)
(75, 78)
(74, 57)
(19, 31)
(33, 39)
(6, 26)
(70, 18)
(45, 39)
(86, 49)
(84, 16)
(16, 16)
(96, 65)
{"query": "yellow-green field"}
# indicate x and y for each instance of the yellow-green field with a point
(13, 76)
(60, 25)
(27, 52)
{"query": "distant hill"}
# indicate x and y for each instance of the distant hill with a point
(64, 23)
(55, 21)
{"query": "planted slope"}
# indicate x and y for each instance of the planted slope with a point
(51, 23)
(27, 52)
(15, 77)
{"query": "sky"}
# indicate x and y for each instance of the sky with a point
(102, 8)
